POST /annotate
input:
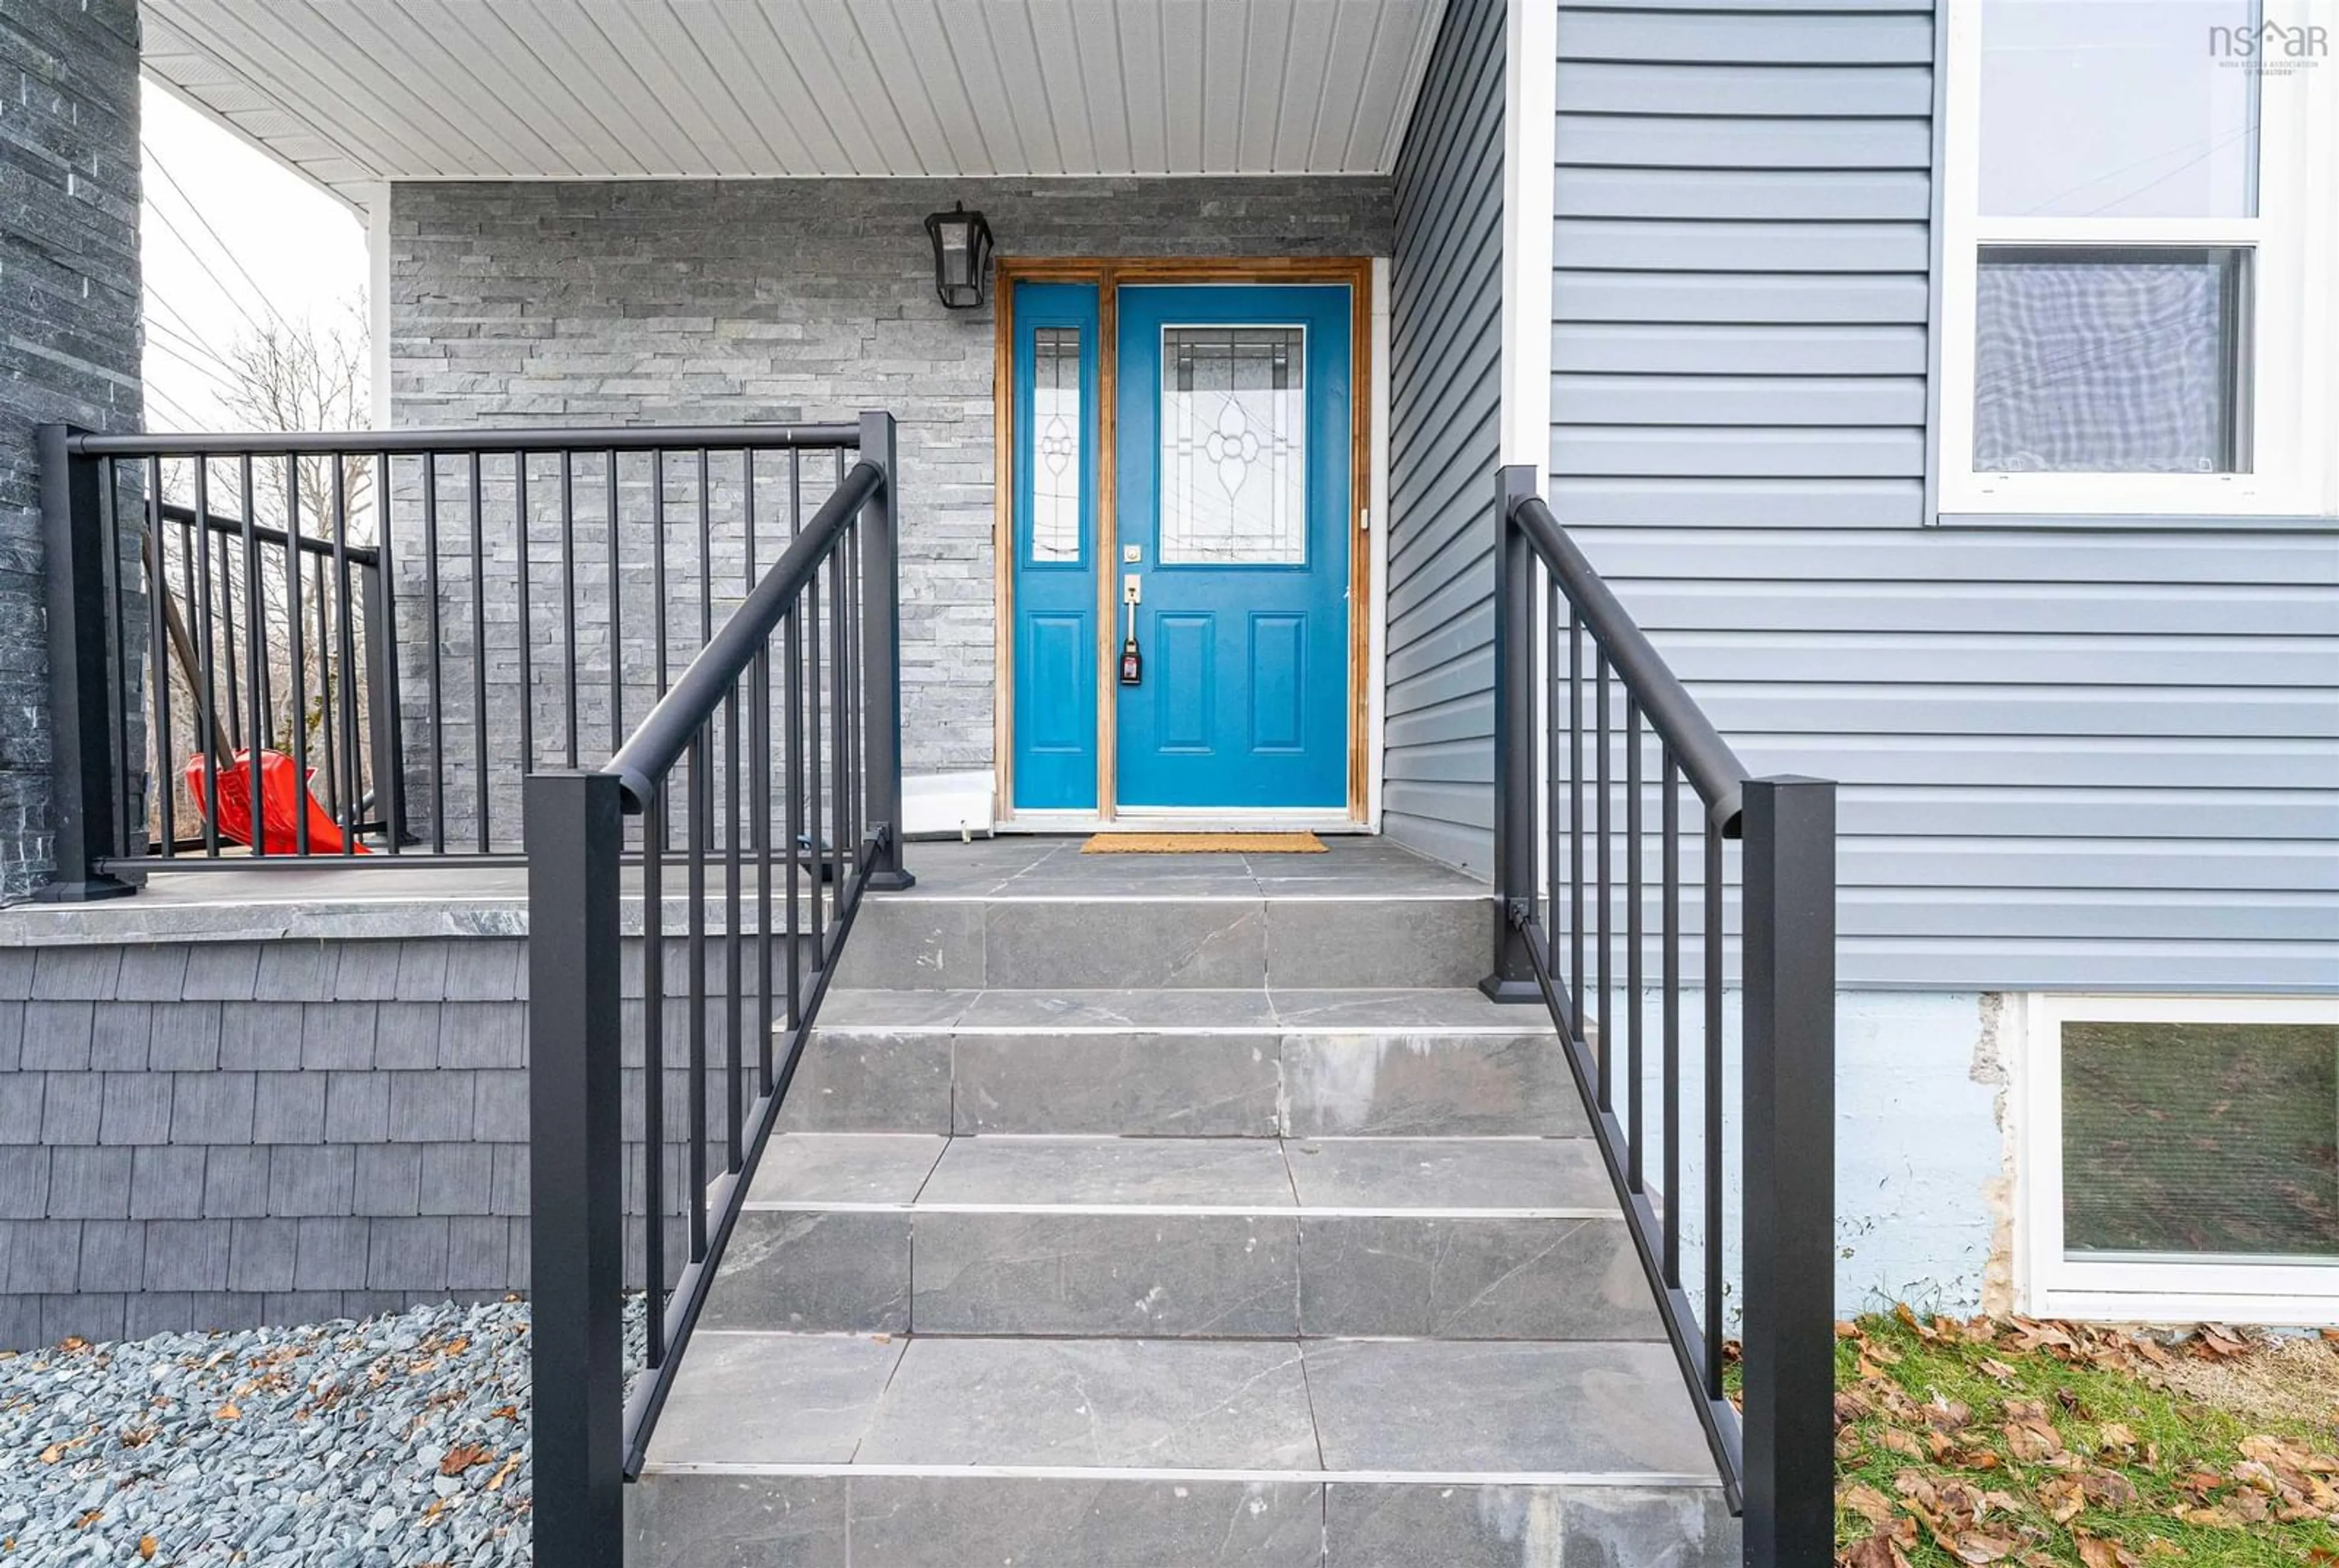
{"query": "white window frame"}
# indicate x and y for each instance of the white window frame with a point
(2051, 1285)
(2293, 350)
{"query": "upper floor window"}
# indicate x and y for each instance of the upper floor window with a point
(2140, 218)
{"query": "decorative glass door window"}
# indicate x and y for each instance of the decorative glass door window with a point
(1234, 445)
(1057, 421)
(2133, 280)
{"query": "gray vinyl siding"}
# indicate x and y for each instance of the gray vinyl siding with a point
(2072, 758)
(1446, 351)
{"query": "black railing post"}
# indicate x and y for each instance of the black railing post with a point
(1512, 978)
(880, 653)
(86, 777)
(1789, 871)
(576, 1243)
(385, 725)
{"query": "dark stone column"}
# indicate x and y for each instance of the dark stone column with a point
(69, 332)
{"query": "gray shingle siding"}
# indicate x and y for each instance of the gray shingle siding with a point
(1445, 390)
(294, 1157)
(202, 1163)
(2070, 758)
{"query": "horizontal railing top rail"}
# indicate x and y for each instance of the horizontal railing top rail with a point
(779, 749)
(1589, 835)
(457, 438)
(1705, 759)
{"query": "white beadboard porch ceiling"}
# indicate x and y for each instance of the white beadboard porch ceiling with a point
(355, 92)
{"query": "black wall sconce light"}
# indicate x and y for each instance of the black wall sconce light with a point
(961, 256)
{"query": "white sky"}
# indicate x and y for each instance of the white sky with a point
(275, 242)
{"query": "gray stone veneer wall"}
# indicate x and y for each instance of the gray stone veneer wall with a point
(728, 301)
(70, 322)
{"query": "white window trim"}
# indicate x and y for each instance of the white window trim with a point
(2049, 1284)
(2294, 393)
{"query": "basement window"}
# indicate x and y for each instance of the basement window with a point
(2182, 1158)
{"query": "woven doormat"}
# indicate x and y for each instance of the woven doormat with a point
(1203, 844)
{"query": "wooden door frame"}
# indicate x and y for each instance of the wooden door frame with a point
(1108, 273)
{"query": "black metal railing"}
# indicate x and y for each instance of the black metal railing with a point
(1589, 902)
(270, 647)
(772, 770)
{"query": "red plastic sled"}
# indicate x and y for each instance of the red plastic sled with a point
(284, 796)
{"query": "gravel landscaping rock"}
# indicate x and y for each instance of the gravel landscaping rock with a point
(391, 1443)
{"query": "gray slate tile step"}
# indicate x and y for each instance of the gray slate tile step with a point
(855, 1452)
(1253, 1063)
(1462, 1239)
(1133, 934)
(1357, 1409)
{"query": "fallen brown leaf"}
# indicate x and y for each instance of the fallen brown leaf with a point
(1876, 1551)
(1867, 1502)
(461, 1457)
(147, 1547)
(2062, 1499)
(2097, 1552)
(1901, 1442)
(1979, 1546)
(227, 1412)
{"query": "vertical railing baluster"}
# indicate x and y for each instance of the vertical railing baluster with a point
(654, 1130)
(344, 686)
(1555, 927)
(1634, 1126)
(255, 653)
(695, 948)
(838, 722)
(759, 789)
(158, 649)
(734, 1019)
(1713, 1162)
(527, 626)
(1669, 829)
(480, 775)
(660, 610)
(385, 750)
(221, 617)
(792, 721)
(616, 617)
(812, 850)
(326, 731)
(207, 635)
(1575, 975)
(1605, 791)
(437, 659)
(300, 673)
(569, 602)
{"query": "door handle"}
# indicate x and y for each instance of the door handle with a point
(1132, 665)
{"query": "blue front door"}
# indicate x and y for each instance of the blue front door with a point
(1232, 508)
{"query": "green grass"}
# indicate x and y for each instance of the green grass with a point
(2156, 1478)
